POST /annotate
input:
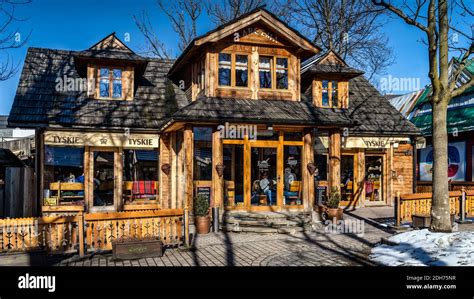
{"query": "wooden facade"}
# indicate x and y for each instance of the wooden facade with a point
(237, 117)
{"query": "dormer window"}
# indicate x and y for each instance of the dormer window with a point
(233, 70)
(110, 83)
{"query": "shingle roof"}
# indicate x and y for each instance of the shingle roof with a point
(260, 111)
(37, 103)
(374, 113)
(314, 65)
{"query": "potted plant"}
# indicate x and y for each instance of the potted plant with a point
(201, 214)
(333, 210)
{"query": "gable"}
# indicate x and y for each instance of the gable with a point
(110, 42)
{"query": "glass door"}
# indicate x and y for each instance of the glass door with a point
(374, 179)
(104, 179)
(264, 177)
(347, 179)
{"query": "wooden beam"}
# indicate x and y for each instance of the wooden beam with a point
(165, 179)
(307, 177)
(217, 159)
(188, 177)
(334, 159)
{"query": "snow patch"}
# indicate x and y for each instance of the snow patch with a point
(425, 248)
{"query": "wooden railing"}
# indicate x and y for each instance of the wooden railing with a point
(89, 232)
(420, 204)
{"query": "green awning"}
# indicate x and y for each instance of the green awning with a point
(461, 119)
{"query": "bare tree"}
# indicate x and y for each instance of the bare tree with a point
(223, 11)
(183, 15)
(435, 19)
(10, 38)
(351, 28)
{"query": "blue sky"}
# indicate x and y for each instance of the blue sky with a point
(76, 26)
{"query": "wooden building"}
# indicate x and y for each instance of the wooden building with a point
(251, 114)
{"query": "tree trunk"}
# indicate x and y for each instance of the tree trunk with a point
(440, 214)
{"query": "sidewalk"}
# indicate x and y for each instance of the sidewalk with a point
(244, 249)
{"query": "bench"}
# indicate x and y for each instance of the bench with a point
(75, 190)
(129, 196)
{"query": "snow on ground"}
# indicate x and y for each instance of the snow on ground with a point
(425, 248)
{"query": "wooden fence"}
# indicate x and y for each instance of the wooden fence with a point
(420, 204)
(89, 232)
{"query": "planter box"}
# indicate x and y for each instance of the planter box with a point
(424, 221)
(136, 249)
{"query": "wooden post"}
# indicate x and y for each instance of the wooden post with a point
(334, 159)
(80, 224)
(397, 208)
(39, 170)
(165, 158)
(217, 159)
(307, 178)
(188, 181)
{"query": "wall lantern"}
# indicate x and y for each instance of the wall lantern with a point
(220, 169)
(311, 168)
(166, 168)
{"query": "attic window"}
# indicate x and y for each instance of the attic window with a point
(329, 94)
(110, 83)
(273, 69)
(233, 70)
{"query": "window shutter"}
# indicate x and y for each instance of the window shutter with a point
(317, 93)
(343, 88)
(128, 83)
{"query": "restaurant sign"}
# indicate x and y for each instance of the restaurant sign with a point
(363, 142)
(101, 139)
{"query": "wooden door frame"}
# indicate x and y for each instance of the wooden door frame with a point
(247, 146)
(355, 172)
(118, 172)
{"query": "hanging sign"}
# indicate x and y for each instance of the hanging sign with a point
(103, 139)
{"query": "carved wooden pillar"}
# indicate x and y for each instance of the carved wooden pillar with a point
(165, 173)
(308, 179)
(217, 170)
(334, 159)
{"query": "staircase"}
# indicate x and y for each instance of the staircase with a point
(266, 222)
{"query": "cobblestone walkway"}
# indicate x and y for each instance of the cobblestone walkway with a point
(247, 249)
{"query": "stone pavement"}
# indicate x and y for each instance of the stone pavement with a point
(249, 249)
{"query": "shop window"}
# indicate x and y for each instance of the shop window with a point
(373, 178)
(265, 71)
(110, 83)
(293, 136)
(322, 166)
(104, 183)
(233, 175)
(347, 177)
(225, 68)
(140, 175)
(292, 175)
(64, 175)
(202, 153)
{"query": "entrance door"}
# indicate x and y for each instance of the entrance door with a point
(347, 179)
(264, 176)
(374, 180)
(105, 168)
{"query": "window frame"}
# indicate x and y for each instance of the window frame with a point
(330, 91)
(273, 70)
(233, 58)
(111, 79)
